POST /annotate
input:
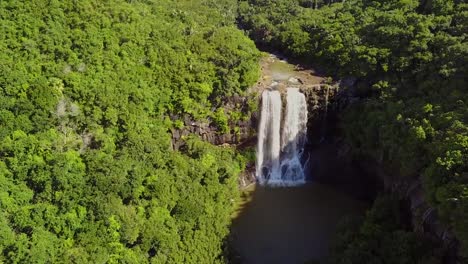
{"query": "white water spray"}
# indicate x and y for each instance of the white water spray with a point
(268, 148)
(294, 137)
(281, 164)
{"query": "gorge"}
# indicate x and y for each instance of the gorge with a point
(234, 131)
(288, 217)
(294, 216)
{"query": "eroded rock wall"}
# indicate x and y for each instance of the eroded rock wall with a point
(240, 131)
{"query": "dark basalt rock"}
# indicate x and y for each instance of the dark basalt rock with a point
(209, 132)
(423, 216)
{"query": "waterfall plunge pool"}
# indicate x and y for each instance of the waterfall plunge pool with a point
(289, 225)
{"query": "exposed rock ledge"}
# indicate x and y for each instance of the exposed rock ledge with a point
(240, 132)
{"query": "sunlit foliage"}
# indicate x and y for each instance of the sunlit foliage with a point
(88, 95)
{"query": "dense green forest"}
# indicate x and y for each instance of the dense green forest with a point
(384, 235)
(89, 91)
(410, 61)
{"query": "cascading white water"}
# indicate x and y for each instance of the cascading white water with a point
(294, 137)
(268, 148)
(279, 163)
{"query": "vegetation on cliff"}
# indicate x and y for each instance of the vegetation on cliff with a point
(384, 235)
(86, 91)
(89, 91)
(409, 58)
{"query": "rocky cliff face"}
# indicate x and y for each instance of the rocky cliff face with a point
(334, 164)
(210, 133)
(241, 134)
(240, 131)
(424, 218)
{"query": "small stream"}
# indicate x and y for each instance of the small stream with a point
(290, 225)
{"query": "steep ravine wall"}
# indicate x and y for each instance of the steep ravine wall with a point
(374, 179)
(331, 161)
(424, 218)
(240, 131)
(241, 134)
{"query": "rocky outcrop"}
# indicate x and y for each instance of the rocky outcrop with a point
(209, 132)
(247, 177)
(240, 132)
(424, 218)
(320, 100)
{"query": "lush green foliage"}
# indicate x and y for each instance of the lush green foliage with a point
(87, 174)
(409, 58)
(382, 238)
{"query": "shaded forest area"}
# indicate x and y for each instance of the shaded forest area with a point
(409, 59)
(89, 91)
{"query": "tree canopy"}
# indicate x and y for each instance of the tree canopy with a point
(89, 91)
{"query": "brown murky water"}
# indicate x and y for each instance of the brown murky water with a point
(290, 225)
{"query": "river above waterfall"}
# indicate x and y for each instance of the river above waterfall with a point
(275, 69)
(289, 225)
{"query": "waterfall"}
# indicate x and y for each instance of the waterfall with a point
(294, 137)
(268, 148)
(279, 163)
